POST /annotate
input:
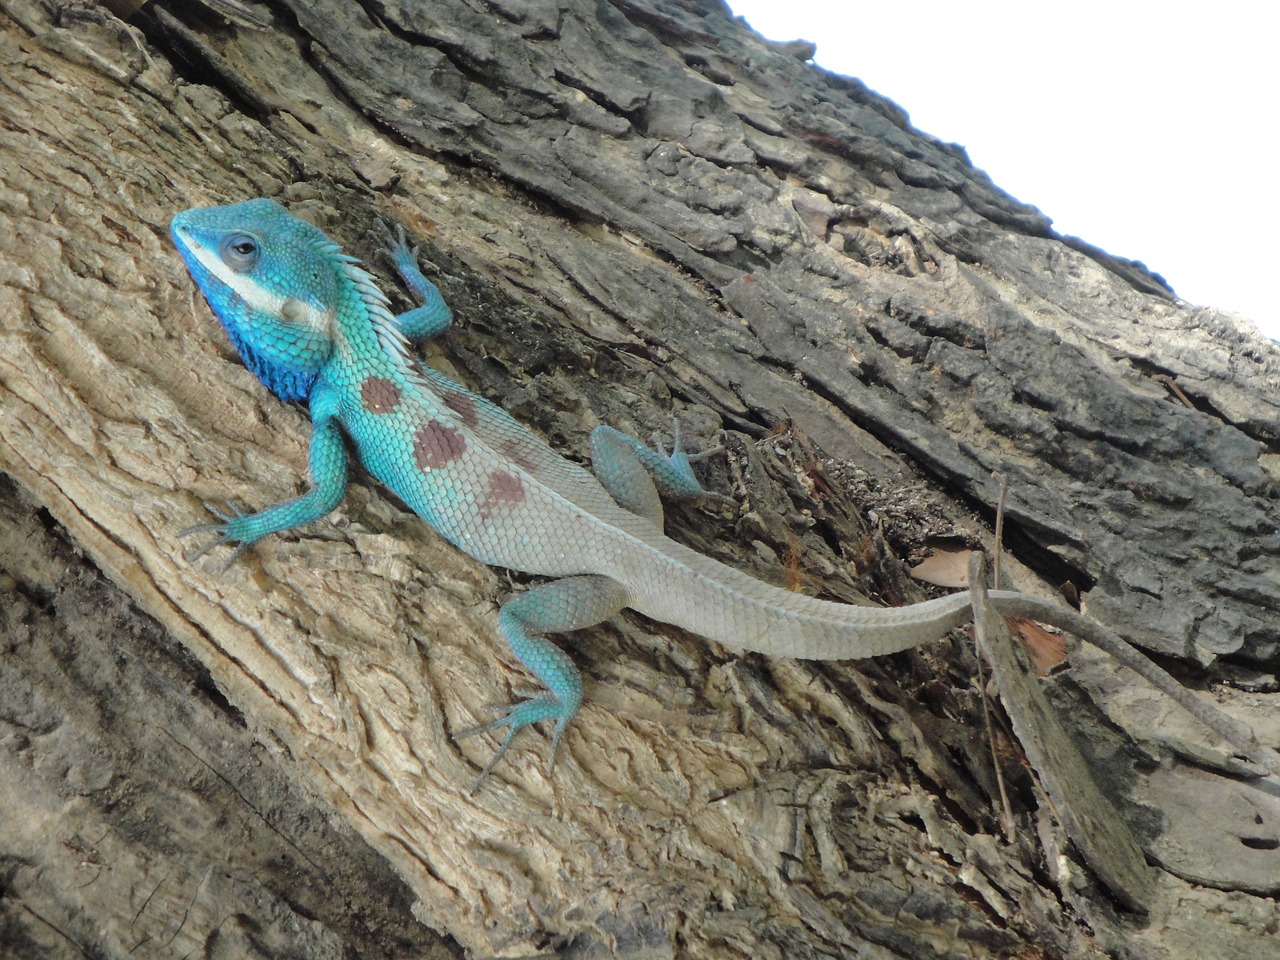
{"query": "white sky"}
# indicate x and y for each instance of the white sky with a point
(1144, 128)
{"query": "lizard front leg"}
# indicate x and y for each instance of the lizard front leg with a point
(573, 603)
(327, 463)
(434, 316)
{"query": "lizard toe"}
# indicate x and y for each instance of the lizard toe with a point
(515, 717)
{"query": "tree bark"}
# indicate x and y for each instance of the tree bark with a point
(638, 210)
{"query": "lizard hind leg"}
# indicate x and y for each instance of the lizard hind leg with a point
(572, 603)
(636, 474)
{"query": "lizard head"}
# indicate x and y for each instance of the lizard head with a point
(274, 282)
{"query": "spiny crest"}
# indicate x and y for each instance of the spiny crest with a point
(378, 307)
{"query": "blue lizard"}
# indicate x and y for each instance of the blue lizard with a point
(313, 325)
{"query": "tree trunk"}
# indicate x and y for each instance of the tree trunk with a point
(638, 211)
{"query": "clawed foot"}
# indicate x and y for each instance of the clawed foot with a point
(515, 716)
(394, 243)
(230, 518)
(681, 464)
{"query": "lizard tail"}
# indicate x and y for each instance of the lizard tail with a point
(743, 613)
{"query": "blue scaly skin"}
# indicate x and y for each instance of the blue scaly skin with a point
(312, 325)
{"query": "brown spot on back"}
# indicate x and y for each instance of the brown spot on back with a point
(436, 444)
(512, 449)
(506, 486)
(379, 395)
(463, 405)
(503, 488)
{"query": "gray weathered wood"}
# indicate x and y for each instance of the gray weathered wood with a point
(1093, 823)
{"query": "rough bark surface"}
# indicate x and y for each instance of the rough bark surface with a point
(637, 209)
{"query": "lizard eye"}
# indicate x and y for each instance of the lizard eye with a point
(240, 252)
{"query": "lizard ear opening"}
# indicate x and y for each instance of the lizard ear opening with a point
(239, 251)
